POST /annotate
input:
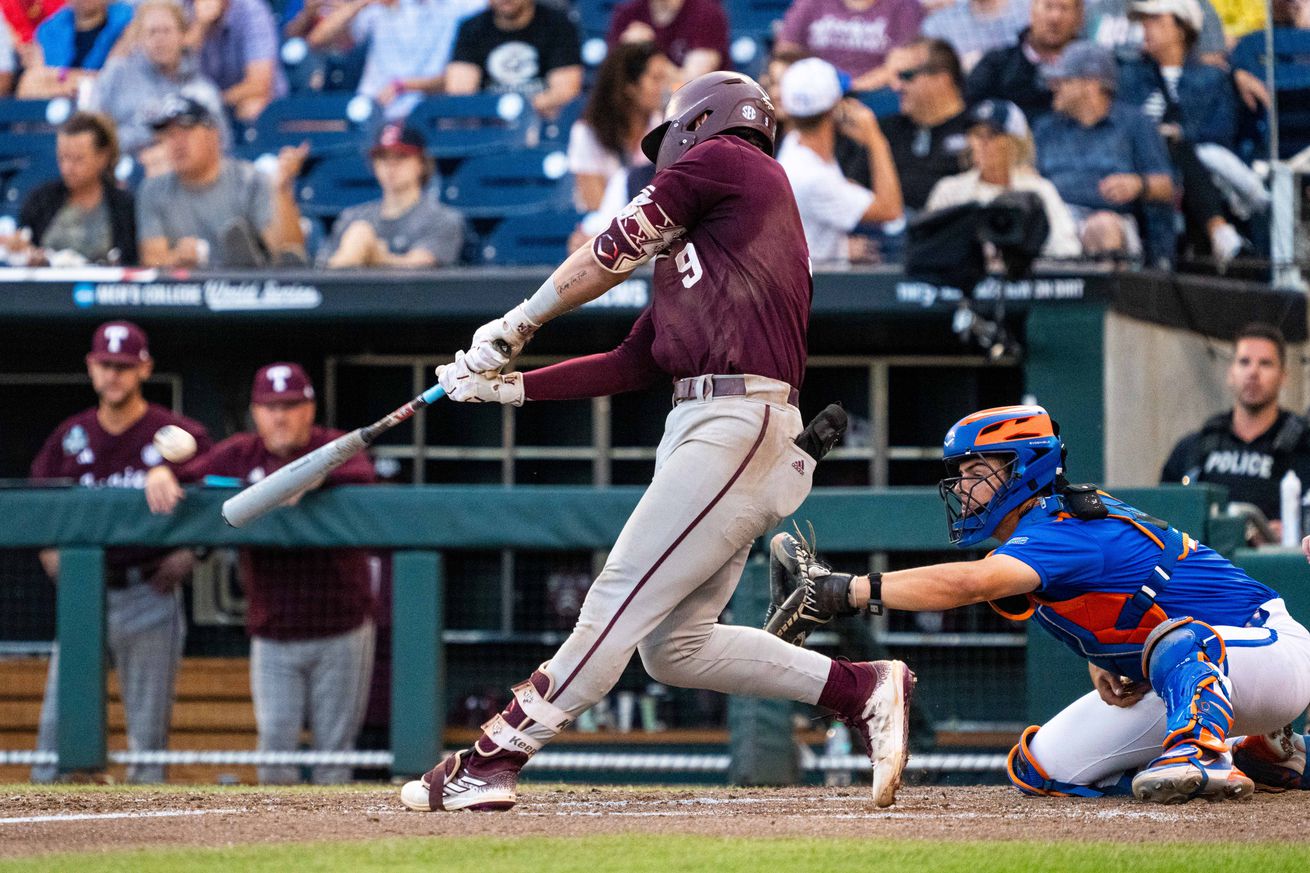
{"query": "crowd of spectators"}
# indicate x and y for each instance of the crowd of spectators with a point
(1139, 123)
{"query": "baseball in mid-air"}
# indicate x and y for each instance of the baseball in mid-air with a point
(175, 444)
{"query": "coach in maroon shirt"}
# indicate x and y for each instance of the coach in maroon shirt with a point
(110, 445)
(309, 611)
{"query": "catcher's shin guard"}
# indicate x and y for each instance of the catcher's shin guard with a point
(1184, 659)
(1275, 761)
(1031, 778)
(804, 592)
(485, 777)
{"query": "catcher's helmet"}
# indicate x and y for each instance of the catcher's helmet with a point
(731, 100)
(1030, 440)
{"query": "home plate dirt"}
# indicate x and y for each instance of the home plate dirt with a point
(35, 821)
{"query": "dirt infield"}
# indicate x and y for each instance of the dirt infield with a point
(36, 821)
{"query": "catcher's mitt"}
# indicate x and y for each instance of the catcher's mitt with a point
(804, 593)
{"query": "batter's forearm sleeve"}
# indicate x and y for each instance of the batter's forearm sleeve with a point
(629, 367)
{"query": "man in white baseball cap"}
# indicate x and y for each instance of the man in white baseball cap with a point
(814, 98)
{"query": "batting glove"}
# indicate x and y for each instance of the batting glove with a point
(464, 386)
(487, 352)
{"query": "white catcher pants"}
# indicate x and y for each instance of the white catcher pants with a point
(1091, 742)
(726, 472)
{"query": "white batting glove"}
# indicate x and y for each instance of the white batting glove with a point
(511, 331)
(465, 386)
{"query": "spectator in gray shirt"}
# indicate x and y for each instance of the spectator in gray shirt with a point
(132, 88)
(404, 228)
(211, 210)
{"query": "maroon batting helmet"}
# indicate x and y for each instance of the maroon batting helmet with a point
(729, 101)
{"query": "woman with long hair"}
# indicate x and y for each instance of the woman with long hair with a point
(625, 102)
(1001, 152)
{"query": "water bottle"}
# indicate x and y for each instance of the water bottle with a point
(837, 744)
(1289, 504)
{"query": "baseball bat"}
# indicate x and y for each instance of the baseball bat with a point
(308, 470)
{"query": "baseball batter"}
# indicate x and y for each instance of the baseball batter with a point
(1150, 608)
(727, 326)
(112, 446)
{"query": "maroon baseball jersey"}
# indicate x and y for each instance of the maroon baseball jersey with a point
(733, 294)
(82, 450)
(296, 594)
(732, 287)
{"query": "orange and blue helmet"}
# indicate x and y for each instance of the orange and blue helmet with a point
(1028, 440)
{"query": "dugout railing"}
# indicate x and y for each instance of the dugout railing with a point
(420, 523)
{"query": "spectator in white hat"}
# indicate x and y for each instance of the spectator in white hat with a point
(831, 207)
(1001, 154)
(1194, 106)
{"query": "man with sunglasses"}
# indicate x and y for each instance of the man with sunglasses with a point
(929, 136)
(1150, 608)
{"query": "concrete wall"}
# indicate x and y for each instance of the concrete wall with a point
(1160, 384)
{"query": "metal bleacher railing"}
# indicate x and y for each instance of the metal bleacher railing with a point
(422, 523)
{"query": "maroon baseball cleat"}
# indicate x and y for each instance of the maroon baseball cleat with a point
(882, 722)
(469, 780)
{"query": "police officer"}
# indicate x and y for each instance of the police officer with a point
(1249, 448)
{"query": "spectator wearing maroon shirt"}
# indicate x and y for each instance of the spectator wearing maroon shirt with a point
(309, 611)
(111, 445)
(691, 33)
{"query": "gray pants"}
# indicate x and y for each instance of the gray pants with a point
(725, 472)
(323, 682)
(145, 633)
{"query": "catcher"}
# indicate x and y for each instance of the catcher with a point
(1150, 608)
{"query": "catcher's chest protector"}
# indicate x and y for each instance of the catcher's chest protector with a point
(1108, 628)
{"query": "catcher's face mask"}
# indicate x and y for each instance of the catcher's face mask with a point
(970, 490)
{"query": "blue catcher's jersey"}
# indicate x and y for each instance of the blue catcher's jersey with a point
(1101, 592)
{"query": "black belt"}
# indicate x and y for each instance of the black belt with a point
(719, 386)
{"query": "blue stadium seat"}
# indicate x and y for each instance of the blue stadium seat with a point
(594, 16)
(519, 183)
(305, 69)
(754, 17)
(343, 71)
(27, 132)
(334, 183)
(324, 120)
(556, 130)
(884, 102)
(20, 184)
(529, 240)
(475, 124)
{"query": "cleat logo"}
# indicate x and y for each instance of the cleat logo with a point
(798, 466)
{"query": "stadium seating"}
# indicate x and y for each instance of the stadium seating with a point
(476, 124)
(327, 121)
(530, 240)
(27, 133)
(18, 185)
(755, 17)
(594, 16)
(334, 183)
(556, 130)
(520, 183)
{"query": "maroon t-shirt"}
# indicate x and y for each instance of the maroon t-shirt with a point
(82, 450)
(699, 24)
(732, 292)
(296, 594)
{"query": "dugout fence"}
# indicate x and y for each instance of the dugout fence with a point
(422, 526)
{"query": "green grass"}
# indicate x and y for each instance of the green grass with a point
(647, 853)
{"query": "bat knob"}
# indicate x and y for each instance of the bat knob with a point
(503, 347)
